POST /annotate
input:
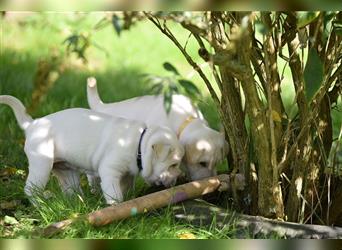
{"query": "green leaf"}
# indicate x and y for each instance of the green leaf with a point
(156, 88)
(71, 39)
(167, 101)
(337, 26)
(116, 24)
(169, 67)
(306, 17)
(173, 88)
(102, 23)
(78, 44)
(260, 27)
(189, 87)
(327, 24)
(155, 79)
(313, 74)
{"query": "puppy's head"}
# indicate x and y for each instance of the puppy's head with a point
(203, 151)
(163, 157)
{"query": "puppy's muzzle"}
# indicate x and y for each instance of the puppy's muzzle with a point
(168, 178)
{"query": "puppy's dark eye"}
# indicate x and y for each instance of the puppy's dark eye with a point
(203, 164)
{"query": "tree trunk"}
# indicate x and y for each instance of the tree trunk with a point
(234, 123)
(267, 149)
(269, 205)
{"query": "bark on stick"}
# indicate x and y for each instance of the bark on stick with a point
(149, 202)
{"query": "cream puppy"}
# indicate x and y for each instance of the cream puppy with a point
(204, 147)
(75, 140)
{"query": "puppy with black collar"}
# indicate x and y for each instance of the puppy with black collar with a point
(204, 147)
(80, 140)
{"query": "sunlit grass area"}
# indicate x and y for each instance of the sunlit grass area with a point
(37, 41)
(118, 62)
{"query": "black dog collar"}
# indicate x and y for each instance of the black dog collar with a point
(139, 162)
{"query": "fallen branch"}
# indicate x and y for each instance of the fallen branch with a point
(199, 213)
(149, 202)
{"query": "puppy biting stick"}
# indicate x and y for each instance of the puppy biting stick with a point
(148, 202)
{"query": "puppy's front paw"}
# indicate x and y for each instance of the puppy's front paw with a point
(112, 202)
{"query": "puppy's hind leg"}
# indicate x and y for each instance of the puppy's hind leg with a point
(40, 160)
(68, 178)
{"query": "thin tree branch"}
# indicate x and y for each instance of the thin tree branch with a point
(270, 67)
(333, 77)
(165, 30)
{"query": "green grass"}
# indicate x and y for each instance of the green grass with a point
(139, 51)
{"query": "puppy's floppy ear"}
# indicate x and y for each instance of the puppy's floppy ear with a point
(192, 153)
(161, 151)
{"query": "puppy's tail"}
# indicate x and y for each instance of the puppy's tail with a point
(19, 110)
(93, 97)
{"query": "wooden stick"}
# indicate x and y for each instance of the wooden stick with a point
(148, 202)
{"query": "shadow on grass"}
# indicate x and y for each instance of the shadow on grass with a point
(17, 73)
